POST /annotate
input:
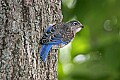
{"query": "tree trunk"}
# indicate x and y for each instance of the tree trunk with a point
(22, 23)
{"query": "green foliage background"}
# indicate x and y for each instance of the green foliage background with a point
(94, 54)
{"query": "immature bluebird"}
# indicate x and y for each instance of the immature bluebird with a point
(58, 34)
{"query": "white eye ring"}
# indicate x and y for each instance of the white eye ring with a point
(75, 23)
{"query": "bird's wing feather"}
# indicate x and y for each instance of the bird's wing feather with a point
(51, 28)
(51, 36)
(44, 51)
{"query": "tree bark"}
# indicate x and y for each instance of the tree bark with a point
(22, 23)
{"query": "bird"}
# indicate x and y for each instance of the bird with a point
(58, 34)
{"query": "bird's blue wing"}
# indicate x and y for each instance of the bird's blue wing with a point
(51, 28)
(52, 36)
(51, 40)
(44, 51)
(48, 29)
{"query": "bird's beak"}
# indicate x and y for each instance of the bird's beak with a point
(82, 26)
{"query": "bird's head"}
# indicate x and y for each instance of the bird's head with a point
(75, 25)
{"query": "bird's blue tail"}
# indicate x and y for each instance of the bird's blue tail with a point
(44, 51)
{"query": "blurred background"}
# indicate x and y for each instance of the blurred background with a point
(95, 52)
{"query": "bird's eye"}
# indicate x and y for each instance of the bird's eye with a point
(74, 23)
